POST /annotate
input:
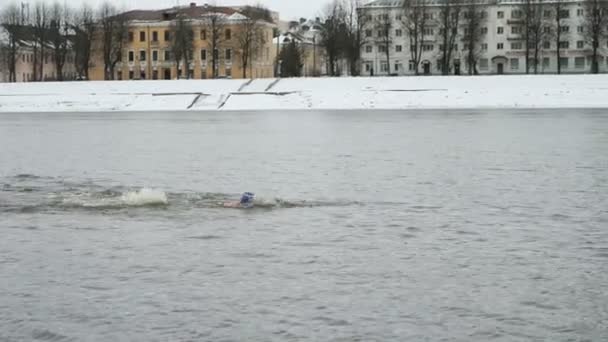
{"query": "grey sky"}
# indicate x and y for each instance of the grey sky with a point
(288, 9)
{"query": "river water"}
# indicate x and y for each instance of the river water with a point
(369, 226)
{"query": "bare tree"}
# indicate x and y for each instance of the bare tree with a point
(558, 17)
(331, 35)
(11, 20)
(595, 28)
(41, 29)
(449, 20)
(115, 29)
(474, 18)
(215, 23)
(85, 30)
(354, 22)
(59, 36)
(415, 20)
(182, 42)
(384, 26)
(535, 30)
(252, 35)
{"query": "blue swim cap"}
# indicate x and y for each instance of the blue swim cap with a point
(247, 197)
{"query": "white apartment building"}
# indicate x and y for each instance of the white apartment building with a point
(502, 46)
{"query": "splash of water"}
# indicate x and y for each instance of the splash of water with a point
(145, 197)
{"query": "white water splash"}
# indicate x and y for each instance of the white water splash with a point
(145, 197)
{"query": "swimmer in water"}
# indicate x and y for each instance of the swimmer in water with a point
(246, 201)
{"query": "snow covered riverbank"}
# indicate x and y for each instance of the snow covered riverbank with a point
(567, 91)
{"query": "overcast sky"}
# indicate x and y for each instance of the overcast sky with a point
(288, 9)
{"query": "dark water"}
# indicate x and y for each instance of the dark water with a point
(370, 226)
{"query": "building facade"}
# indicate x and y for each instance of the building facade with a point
(148, 51)
(501, 45)
(24, 60)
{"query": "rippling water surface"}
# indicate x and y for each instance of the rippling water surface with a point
(369, 226)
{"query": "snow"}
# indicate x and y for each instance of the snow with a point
(566, 91)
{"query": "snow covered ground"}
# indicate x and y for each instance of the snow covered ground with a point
(567, 91)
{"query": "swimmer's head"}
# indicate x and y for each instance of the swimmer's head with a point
(247, 198)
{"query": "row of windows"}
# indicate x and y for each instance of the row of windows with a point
(484, 64)
(167, 74)
(28, 77)
(167, 35)
(29, 58)
(484, 30)
(484, 46)
(515, 14)
(168, 56)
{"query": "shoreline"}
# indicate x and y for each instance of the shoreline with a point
(303, 94)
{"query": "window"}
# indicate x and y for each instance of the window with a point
(228, 71)
(397, 66)
(168, 56)
(398, 17)
(564, 29)
(131, 56)
(484, 46)
(547, 14)
(546, 62)
(516, 30)
(564, 62)
(500, 46)
(484, 30)
(428, 47)
(203, 34)
(429, 16)
(398, 48)
(580, 29)
(368, 33)
(564, 45)
(203, 55)
(514, 63)
(516, 46)
(154, 36)
(500, 30)
(119, 75)
(142, 36)
(547, 30)
(579, 62)
(580, 44)
(131, 74)
(155, 55)
(580, 12)
(382, 48)
(500, 14)
(167, 36)
(563, 14)
(428, 31)
(228, 55)
(516, 14)
(228, 34)
(142, 56)
(410, 66)
(155, 74)
(142, 75)
(131, 37)
(384, 67)
(369, 49)
(546, 45)
(398, 33)
(483, 64)
(380, 33)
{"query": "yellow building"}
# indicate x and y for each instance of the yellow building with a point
(148, 56)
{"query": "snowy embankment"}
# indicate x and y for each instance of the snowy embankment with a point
(572, 91)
